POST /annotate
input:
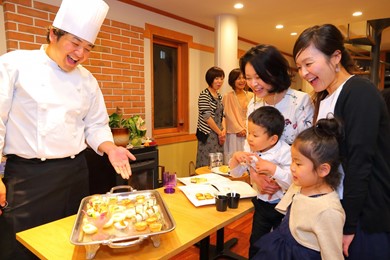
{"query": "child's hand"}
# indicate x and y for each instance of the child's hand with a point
(239, 158)
(265, 167)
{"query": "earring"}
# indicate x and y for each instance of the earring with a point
(337, 69)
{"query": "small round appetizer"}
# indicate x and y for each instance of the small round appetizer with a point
(200, 196)
(140, 226)
(155, 227)
(89, 229)
(116, 217)
(140, 198)
(208, 196)
(224, 169)
(121, 224)
(117, 208)
(151, 220)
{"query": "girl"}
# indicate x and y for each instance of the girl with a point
(313, 225)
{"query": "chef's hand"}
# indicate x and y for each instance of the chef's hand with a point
(347, 240)
(119, 158)
(3, 201)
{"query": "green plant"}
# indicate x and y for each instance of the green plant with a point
(116, 121)
(135, 125)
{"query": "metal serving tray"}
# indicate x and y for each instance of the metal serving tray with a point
(102, 209)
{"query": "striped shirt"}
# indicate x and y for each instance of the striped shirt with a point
(207, 105)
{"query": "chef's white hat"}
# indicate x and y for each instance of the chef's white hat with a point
(82, 18)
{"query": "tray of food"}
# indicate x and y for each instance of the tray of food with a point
(120, 220)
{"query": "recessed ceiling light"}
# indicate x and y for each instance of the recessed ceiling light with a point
(293, 33)
(357, 13)
(238, 6)
(279, 26)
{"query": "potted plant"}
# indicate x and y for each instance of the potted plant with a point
(123, 130)
(119, 131)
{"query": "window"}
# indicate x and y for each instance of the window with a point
(165, 84)
(170, 88)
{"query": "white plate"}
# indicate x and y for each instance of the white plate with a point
(209, 177)
(217, 171)
(191, 190)
(224, 187)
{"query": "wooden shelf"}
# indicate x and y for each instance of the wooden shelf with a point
(361, 40)
(361, 57)
(361, 72)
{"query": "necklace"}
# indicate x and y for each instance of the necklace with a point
(268, 104)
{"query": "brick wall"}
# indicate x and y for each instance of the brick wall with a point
(117, 60)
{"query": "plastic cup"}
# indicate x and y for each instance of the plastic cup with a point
(233, 200)
(221, 202)
(169, 182)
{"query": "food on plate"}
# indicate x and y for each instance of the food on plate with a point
(199, 196)
(140, 199)
(140, 226)
(117, 208)
(89, 228)
(104, 215)
(121, 224)
(108, 223)
(204, 196)
(198, 179)
(136, 218)
(130, 212)
(208, 196)
(151, 220)
(224, 169)
(155, 227)
(116, 217)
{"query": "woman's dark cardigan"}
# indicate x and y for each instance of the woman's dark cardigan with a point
(365, 152)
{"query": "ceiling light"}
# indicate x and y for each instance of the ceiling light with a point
(238, 6)
(279, 26)
(293, 33)
(357, 13)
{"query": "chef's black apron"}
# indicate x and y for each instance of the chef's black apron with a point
(39, 192)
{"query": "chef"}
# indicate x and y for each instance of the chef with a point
(51, 108)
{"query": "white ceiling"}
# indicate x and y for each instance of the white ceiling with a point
(257, 20)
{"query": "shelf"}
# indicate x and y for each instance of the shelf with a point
(361, 57)
(361, 40)
(361, 72)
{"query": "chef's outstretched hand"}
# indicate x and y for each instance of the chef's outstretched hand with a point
(119, 158)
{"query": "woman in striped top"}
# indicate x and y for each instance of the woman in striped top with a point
(211, 130)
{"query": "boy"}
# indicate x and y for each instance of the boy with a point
(269, 156)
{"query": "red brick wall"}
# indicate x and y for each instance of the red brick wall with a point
(117, 60)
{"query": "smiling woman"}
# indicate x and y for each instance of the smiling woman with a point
(211, 129)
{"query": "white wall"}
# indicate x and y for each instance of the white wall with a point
(200, 61)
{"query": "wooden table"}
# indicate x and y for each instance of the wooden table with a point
(193, 224)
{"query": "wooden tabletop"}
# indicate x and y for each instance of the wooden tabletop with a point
(52, 240)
